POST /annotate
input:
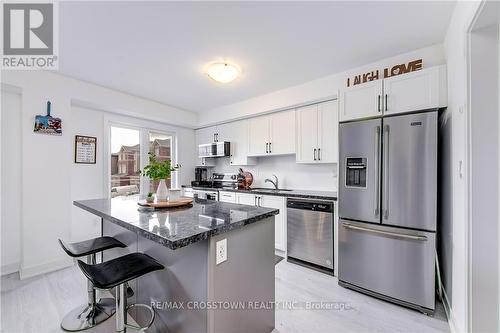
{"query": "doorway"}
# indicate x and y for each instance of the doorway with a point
(483, 166)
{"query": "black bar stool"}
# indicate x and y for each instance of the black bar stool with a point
(92, 313)
(116, 273)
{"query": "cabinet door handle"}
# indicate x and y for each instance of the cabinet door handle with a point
(314, 154)
(319, 154)
(385, 102)
(255, 200)
(267, 147)
(270, 147)
(378, 108)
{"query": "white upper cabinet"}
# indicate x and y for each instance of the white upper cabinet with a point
(258, 136)
(361, 101)
(307, 134)
(272, 134)
(328, 132)
(282, 133)
(237, 134)
(413, 91)
(420, 90)
(317, 133)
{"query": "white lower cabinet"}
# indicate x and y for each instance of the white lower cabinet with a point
(227, 196)
(269, 201)
(246, 199)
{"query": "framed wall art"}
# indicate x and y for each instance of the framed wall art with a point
(85, 149)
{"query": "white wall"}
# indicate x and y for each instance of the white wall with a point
(455, 272)
(50, 180)
(11, 182)
(291, 175)
(314, 90)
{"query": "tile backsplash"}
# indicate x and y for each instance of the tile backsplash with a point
(322, 177)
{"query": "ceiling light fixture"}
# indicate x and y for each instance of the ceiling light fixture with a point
(223, 72)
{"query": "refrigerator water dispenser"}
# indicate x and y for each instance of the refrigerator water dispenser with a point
(355, 172)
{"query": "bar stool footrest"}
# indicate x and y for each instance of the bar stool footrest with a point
(152, 312)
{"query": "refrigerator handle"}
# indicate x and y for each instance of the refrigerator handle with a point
(386, 171)
(377, 170)
(385, 233)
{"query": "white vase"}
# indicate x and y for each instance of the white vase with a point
(162, 191)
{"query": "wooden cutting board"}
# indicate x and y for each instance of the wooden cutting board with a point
(166, 204)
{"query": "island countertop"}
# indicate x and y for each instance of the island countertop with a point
(179, 227)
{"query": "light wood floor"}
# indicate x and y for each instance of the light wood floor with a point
(38, 305)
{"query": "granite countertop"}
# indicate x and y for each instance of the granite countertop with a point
(179, 227)
(309, 194)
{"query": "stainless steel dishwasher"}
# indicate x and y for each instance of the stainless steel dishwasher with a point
(310, 233)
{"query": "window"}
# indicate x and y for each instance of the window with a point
(125, 161)
(129, 148)
(161, 145)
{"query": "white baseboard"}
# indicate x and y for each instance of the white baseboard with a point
(9, 269)
(449, 313)
(27, 272)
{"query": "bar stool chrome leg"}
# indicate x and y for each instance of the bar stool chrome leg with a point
(91, 314)
(121, 311)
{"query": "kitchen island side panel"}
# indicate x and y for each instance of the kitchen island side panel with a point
(247, 277)
(175, 290)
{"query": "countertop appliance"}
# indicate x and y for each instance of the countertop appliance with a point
(214, 149)
(388, 208)
(310, 233)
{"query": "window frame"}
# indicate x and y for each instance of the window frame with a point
(145, 128)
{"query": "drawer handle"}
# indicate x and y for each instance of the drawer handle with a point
(387, 233)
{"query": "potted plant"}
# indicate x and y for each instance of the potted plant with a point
(150, 198)
(159, 170)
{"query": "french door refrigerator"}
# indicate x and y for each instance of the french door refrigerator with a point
(387, 208)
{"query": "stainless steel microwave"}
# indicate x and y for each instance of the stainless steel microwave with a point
(215, 149)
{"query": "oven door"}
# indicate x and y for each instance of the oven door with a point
(208, 195)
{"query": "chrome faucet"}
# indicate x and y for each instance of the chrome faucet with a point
(275, 182)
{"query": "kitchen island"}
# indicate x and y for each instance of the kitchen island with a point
(193, 293)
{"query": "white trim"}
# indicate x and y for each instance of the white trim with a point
(28, 272)
(468, 156)
(9, 268)
(468, 166)
(450, 315)
(286, 108)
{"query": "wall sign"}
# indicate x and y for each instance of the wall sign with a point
(85, 149)
(399, 69)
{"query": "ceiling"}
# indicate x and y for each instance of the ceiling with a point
(158, 50)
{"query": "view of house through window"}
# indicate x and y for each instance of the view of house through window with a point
(125, 161)
(160, 145)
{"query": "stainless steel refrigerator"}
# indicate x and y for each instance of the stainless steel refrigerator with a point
(387, 208)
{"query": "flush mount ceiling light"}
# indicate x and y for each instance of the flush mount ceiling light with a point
(223, 72)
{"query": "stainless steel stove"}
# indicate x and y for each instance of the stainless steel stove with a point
(219, 181)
